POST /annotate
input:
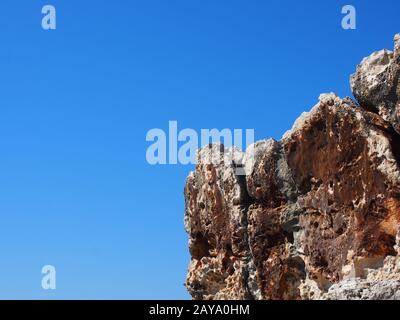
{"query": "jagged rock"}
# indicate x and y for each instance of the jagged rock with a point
(382, 283)
(316, 217)
(215, 219)
(376, 84)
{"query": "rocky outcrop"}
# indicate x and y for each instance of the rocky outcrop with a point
(316, 215)
(376, 84)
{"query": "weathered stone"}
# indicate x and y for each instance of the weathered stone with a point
(348, 179)
(376, 84)
(382, 283)
(215, 219)
(316, 217)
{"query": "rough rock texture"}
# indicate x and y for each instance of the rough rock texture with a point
(317, 214)
(376, 84)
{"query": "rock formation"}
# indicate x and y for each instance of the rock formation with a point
(317, 214)
(376, 84)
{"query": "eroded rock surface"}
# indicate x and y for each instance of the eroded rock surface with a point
(317, 214)
(376, 84)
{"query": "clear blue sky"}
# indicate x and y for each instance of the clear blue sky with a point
(76, 103)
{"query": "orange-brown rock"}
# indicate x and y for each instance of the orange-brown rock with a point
(316, 216)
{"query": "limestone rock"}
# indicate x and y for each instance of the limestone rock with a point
(376, 84)
(381, 283)
(215, 219)
(316, 217)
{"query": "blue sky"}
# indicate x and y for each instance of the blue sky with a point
(76, 103)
